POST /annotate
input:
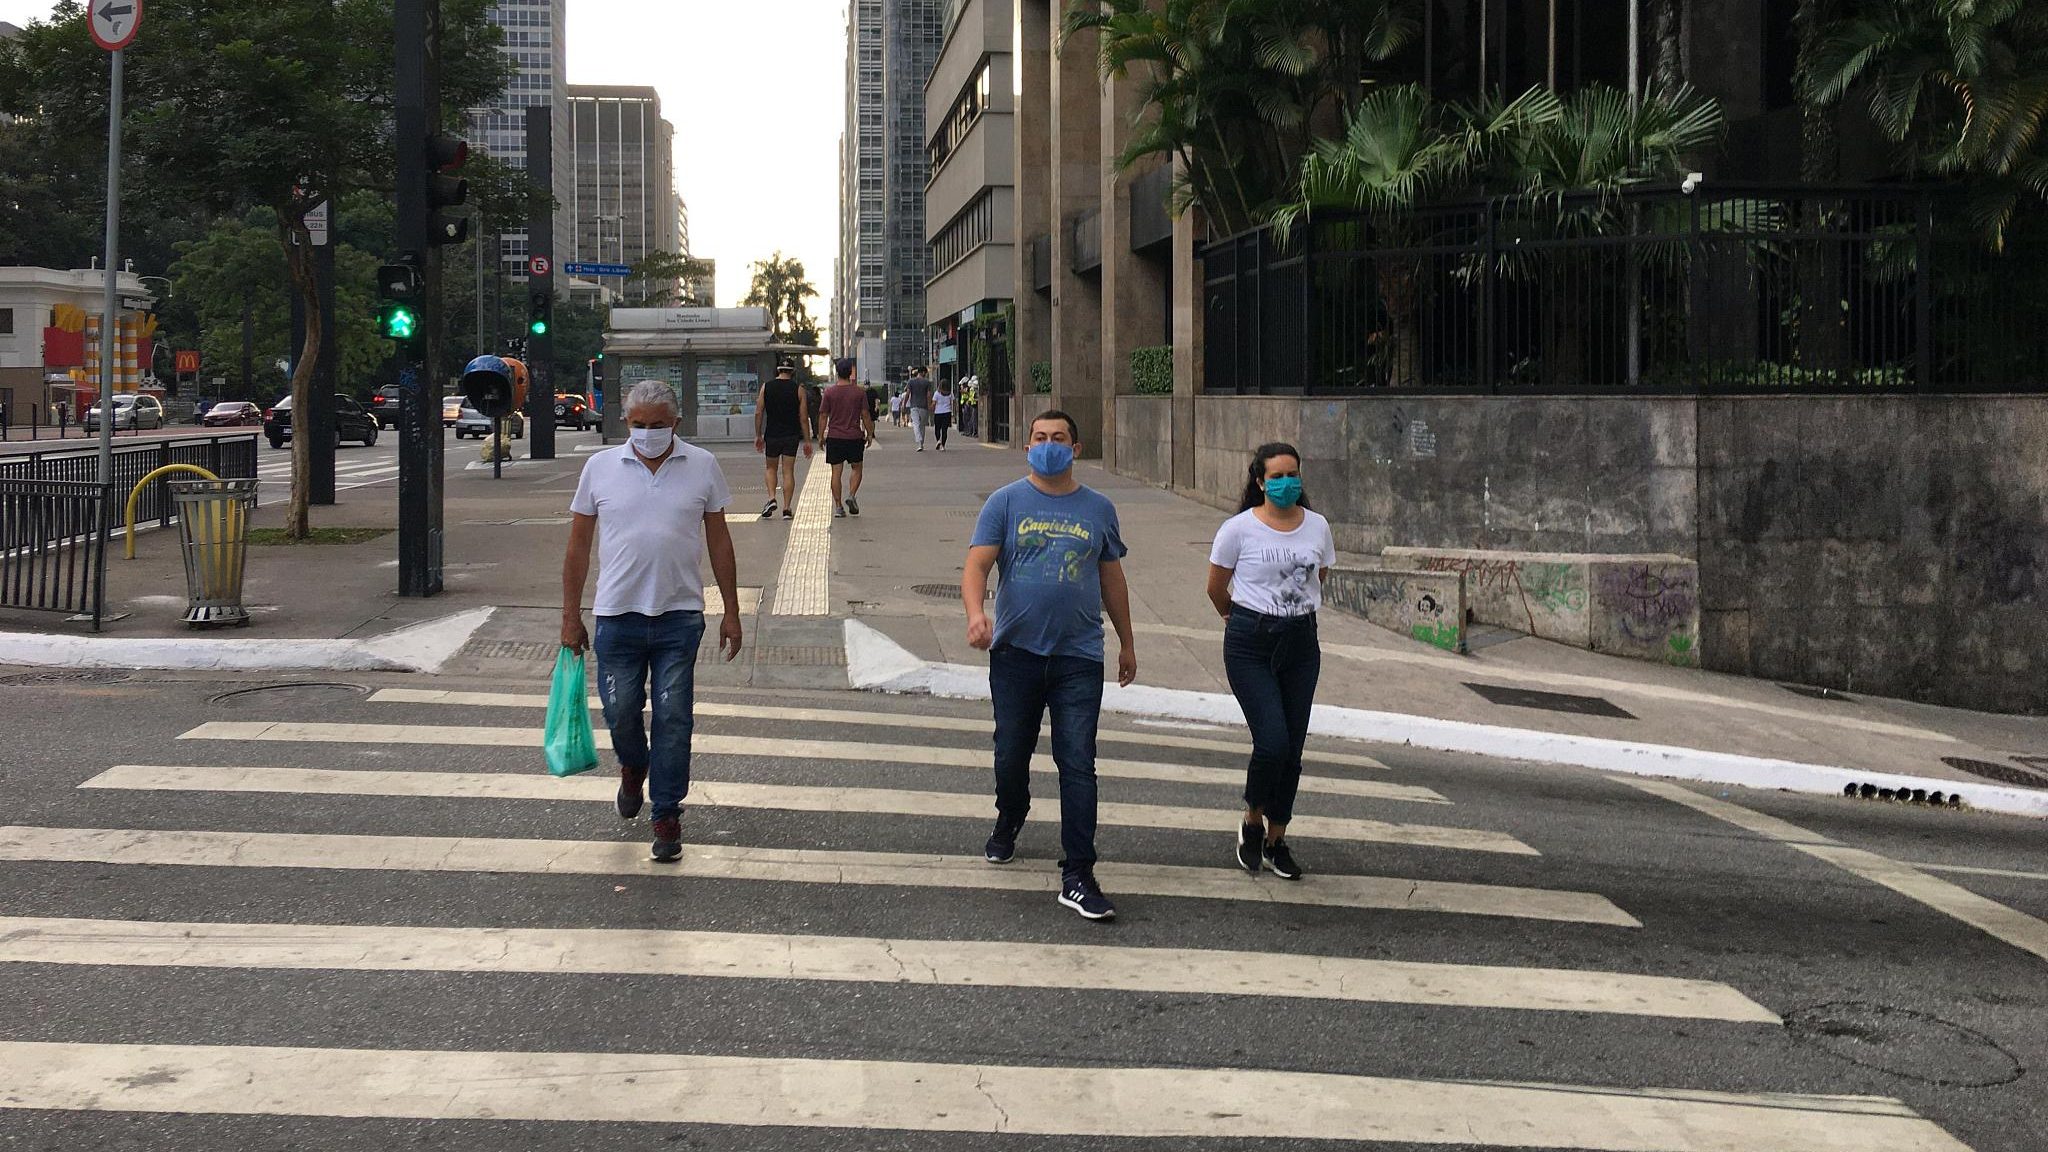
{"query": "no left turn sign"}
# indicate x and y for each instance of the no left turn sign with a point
(539, 265)
(114, 22)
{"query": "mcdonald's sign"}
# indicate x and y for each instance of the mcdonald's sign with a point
(188, 361)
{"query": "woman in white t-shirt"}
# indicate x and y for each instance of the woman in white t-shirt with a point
(942, 412)
(1266, 574)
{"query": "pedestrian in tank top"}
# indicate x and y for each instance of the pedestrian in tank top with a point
(782, 424)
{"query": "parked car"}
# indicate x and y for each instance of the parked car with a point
(384, 406)
(475, 423)
(451, 410)
(233, 414)
(574, 411)
(351, 422)
(132, 410)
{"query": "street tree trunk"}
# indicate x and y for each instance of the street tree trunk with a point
(298, 249)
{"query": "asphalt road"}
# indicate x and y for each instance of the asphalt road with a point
(900, 1001)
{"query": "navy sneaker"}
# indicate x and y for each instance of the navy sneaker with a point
(1249, 837)
(1079, 891)
(1281, 861)
(632, 794)
(852, 506)
(668, 838)
(1002, 843)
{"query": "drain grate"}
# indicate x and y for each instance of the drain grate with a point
(1813, 693)
(510, 650)
(796, 655)
(1550, 701)
(61, 676)
(1992, 770)
(942, 591)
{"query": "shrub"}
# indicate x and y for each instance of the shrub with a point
(1041, 376)
(1152, 370)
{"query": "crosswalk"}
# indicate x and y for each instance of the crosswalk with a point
(327, 846)
(351, 471)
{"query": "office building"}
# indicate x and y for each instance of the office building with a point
(970, 201)
(536, 39)
(623, 200)
(859, 304)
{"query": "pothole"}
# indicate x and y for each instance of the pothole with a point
(64, 676)
(1905, 1043)
(315, 691)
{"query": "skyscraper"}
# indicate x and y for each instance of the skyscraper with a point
(624, 200)
(536, 39)
(914, 34)
(859, 306)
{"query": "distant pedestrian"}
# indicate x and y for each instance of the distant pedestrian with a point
(1266, 574)
(849, 430)
(942, 413)
(1059, 550)
(896, 407)
(782, 424)
(815, 396)
(654, 505)
(917, 404)
(969, 418)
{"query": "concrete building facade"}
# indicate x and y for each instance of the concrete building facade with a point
(623, 200)
(49, 348)
(970, 199)
(860, 276)
(536, 39)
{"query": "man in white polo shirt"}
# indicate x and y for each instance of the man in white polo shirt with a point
(654, 505)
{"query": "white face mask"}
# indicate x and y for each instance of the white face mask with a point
(651, 443)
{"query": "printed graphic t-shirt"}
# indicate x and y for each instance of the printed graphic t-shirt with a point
(1049, 573)
(1277, 573)
(844, 404)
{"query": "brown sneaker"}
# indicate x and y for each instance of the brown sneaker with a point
(668, 838)
(632, 791)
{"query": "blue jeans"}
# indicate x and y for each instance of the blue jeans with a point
(1023, 685)
(1273, 663)
(633, 650)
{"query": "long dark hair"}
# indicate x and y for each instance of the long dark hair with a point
(1254, 490)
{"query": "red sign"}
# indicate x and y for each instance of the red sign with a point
(188, 361)
(539, 265)
(114, 22)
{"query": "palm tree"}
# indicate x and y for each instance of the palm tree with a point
(782, 287)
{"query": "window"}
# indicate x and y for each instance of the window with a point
(967, 108)
(969, 230)
(6, 321)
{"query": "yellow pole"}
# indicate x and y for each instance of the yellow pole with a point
(136, 495)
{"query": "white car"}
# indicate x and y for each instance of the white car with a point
(475, 423)
(132, 410)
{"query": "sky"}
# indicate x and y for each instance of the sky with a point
(756, 90)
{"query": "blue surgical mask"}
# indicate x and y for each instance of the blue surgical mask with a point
(1051, 458)
(1283, 491)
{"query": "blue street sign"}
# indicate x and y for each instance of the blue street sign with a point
(598, 269)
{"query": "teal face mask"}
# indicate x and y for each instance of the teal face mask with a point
(1283, 491)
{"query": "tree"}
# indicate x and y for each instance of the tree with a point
(235, 105)
(669, 279)
(783, 288)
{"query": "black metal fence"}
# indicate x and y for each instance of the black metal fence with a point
(53, 545)
(228, 457)
(1735, 290)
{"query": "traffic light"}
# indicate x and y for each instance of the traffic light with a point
(541, 310)
(445, 154)
(400, 287)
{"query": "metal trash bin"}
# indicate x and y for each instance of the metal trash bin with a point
(213, 527)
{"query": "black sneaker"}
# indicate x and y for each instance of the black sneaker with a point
(768, 510)
(1079, 891)
(1002, 843)
(1281, 861)
(632, 782)
(668, 838)
(1249, 837)
(853, 506)
(789, 513)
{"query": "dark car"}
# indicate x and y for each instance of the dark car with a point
(350, 422)
(233, 414)
(573, 411)
(384, 406)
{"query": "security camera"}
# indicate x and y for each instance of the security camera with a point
(1692, 182)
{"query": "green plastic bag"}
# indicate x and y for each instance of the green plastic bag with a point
(571, 746)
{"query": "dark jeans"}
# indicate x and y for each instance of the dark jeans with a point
(1273, 663)
(1023, 685)
(632, 651)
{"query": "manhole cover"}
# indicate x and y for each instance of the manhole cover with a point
(1550, 701)
(318, 691)
(1812, 693)
(1905, 1043)
(941, 591)
(56, 676)
(1992, 770)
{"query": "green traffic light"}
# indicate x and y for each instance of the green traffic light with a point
(538, 327)
(399, 323)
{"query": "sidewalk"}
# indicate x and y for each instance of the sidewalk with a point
(896, 568)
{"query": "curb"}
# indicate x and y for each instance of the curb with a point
(422, 647)
(875, 663)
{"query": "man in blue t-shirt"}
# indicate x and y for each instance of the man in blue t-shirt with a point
(1059, 552)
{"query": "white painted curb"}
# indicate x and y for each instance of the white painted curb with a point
(417, 648)
(876, 663)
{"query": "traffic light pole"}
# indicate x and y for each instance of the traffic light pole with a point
(320, 405)
(417, 24)
(540, 230)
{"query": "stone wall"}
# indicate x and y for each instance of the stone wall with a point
(1425, 606)
(1888, 544)
(1144, 438)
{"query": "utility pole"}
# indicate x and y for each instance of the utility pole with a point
(113, 26)
(540, 284)
(320, 405)
(418, 27)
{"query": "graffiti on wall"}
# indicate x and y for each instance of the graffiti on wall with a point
(1536, 589)
(1655, 605)
(1410, 605)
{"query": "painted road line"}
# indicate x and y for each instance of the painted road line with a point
(774, 797)
(940, 963)
(804, 585)
(771, 1092)
(708, 744)
(1967, 870)
(843, 716)
(795, 866)
(2008, 924)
